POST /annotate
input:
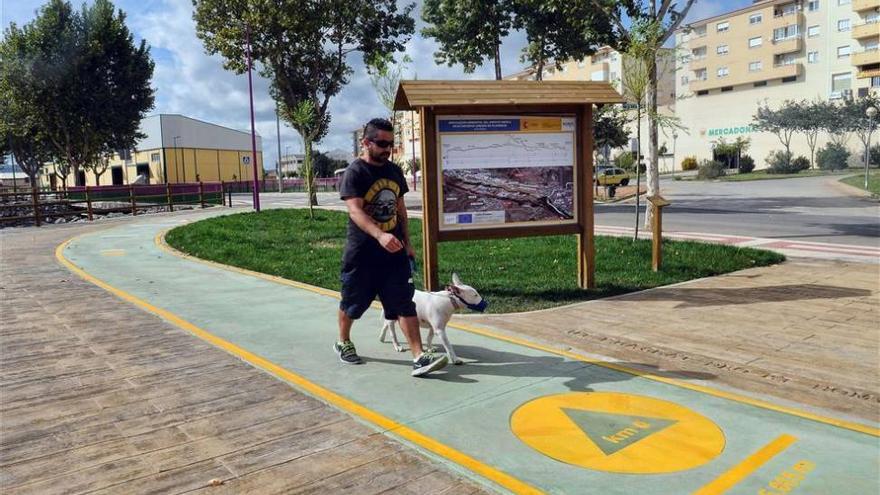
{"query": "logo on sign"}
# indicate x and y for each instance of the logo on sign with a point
(246, 160)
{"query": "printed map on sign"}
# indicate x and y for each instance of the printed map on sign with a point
(505, 170)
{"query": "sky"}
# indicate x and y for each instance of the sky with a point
(190, 82)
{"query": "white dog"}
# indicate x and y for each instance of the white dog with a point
(434, 310)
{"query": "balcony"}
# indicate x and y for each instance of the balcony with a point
(860, 5)
(788, 45)
(867, 57)
(738, 77)
(782, 20)
(785, 70)
(866, 30)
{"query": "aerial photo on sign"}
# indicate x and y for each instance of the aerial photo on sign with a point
(506, 170)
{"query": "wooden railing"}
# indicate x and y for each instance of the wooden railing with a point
(90, 201)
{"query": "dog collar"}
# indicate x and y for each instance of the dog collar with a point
(480, 307)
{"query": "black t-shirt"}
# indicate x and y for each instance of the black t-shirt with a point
(380, 186)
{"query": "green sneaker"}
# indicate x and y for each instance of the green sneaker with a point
(347, 353)
(429, 362)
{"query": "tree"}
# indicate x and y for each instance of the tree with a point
(303, 48)
(324, 166)
(85, 84)
(634, 84)
(468, 32)
(609, 129)
(652, 26)
(808, 117)
(305, 119)
(854, 115)
(779, 122)
(560, 30)
(386, 78)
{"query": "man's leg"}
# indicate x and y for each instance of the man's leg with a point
(410, 327)
(345, 323)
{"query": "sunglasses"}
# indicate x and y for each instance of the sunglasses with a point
(382, 143)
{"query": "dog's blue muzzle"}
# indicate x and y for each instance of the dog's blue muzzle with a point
(481, 306)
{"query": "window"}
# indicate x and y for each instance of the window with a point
(684, 80)
(702, 92)
(812, 31)
(722, 50)
(813, 5)
(725, 89)
(722, 27)
(843, 25)
(722, 72)
(613, 76)
(872, 45)
(813, 57)
(783, 33)
(755, 42)
(785, 59)
(875, 82)
(789, 79)
(154, 157)
(756, 18)
(755, 66)
(843, 51)
(760, 84)
(699, 53)
(840, 83)
(700, 75)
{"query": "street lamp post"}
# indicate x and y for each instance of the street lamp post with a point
(278, 135)
(176, 163)
(871, 112)
(253, 130)
(674, 148)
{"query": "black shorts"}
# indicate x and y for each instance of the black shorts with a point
(391, 282)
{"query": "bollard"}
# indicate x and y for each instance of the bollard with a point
(131, 197)
(88, 203)
(168, 196)
(657, 227)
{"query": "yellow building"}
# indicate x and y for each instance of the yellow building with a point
(176, 149)
(766, 53)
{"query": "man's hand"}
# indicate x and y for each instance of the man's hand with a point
(391, 243)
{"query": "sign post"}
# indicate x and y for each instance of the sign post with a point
(504, 159)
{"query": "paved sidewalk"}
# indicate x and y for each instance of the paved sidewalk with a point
(99, 396)
(805, 331)
(523, 416)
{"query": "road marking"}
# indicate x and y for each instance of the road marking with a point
(386, 424)
(748, 466)
(617, 432)
(849, 425)
(112, 252)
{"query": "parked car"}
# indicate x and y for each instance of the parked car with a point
(611, 176)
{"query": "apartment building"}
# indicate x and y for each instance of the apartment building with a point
(768, 52)
(609, 65)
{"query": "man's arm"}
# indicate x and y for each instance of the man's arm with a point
(403, 220)
(364, 222)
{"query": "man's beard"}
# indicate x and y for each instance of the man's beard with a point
(380, 156)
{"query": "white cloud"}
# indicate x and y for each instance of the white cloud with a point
(192, 83)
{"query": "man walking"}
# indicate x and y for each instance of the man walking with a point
(375, 261)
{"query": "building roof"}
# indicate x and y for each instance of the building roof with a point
(415, 94)
(755, 5)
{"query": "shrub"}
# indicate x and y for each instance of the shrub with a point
(710, 169)
(746, 164)
(832, 157)
(875, 155)
(781, 162)
(625, 161)
(689, 163)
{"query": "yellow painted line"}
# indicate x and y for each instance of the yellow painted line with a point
(113, 252)
(745, 468)
(849, 425)
(387, 424)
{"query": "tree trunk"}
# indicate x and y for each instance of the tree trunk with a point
(653, 169)
(498, 60)
(638, 160)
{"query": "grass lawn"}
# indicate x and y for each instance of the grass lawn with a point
(859, 181)
(763, 175)
(512, 274)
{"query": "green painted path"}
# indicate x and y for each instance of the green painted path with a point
(579, 427)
